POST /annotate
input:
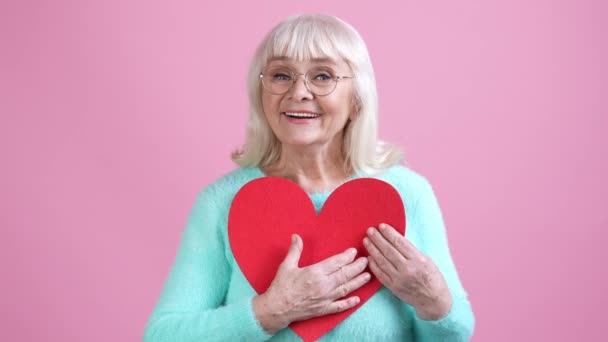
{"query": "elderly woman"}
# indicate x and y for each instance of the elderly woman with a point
(314, 121)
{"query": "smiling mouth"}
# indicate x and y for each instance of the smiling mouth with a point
(301, 115)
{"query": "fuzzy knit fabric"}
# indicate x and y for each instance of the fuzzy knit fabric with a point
(206, 297)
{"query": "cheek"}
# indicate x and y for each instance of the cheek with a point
(341, 108)
(266, 108)
(270, 103)
(343, 103)
(265, 103)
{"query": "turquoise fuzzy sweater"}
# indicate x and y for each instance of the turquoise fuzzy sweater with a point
(207, 298)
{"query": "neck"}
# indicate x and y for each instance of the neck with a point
(314, 169)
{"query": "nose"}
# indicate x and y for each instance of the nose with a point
(299, 91)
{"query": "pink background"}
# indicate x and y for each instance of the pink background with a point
(114, 114)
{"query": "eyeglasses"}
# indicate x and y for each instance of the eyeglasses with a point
(320, 81)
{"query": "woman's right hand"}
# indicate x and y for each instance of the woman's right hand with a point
(297, 293)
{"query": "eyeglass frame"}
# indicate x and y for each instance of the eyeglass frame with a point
(295, 75)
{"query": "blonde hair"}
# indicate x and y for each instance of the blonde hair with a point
(304, 37)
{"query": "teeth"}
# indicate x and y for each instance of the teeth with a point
(302, 115)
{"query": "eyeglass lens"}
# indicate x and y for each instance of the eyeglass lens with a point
(279, 79)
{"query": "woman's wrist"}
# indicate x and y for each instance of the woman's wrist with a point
(436, 310)
(268, 314)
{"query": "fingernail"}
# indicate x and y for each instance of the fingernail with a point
(293, 238)
(356, 299)
(383, 226)
(366, 241)
(370, 231)
(367, 277)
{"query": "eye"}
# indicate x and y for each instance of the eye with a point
(323, 76)
(278, 74)
(281, 76)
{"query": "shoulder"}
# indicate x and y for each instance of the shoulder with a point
(412, 186)
(406, 181)
(222, 190)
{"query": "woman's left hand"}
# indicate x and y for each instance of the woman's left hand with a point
(410, 275)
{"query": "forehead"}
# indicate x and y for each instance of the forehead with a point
(326, 61)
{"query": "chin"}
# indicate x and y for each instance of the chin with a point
(297, 139)
(299, 143)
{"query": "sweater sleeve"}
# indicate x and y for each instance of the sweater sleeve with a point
(458, 324)
(190, 307)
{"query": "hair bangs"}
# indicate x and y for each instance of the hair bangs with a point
(306, 38)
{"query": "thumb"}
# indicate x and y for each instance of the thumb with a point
(295, 251)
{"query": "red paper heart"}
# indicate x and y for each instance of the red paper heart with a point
(267, 211)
